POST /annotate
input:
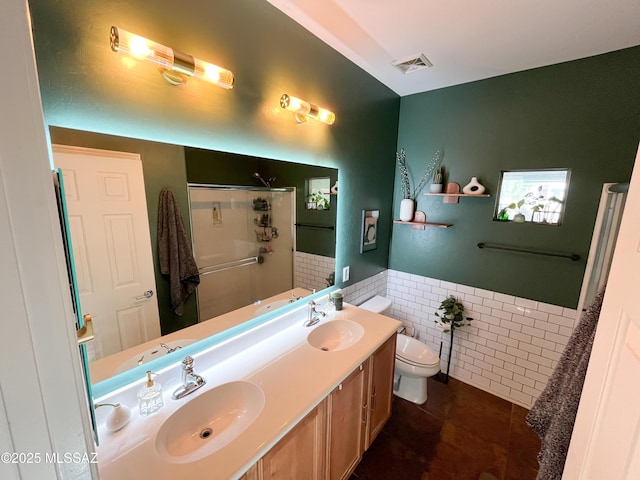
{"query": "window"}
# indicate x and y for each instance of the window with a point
(318, 193)
(533, 196)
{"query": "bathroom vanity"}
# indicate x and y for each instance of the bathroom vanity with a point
(305, 401)
(329, 442)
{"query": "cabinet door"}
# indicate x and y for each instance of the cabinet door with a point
(346, 414)
(301, 453)
(382, 363)
(251, 474)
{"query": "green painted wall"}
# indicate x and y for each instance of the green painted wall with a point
(207, 166)
(163, 166)
(584, 115)
(86, 86)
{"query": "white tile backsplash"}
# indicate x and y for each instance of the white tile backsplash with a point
(511, 346)
(311, 271)
(362, 291)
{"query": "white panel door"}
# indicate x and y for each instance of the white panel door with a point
(605, 442)
(107, 209)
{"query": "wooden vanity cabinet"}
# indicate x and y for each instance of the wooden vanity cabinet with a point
(252, 473)
(358, 409)
(380, 389)
(329, 442)
(346, 415)
(301, 453)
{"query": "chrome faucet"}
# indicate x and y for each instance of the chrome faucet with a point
(190, 381)
(314, 315)
(168, 348)
(294, 298)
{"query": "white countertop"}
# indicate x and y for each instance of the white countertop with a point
(293, 375)
(113, 364)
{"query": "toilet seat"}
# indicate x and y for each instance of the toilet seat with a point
(415, 353)
(411, 361)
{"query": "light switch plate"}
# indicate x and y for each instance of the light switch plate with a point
(345, 274)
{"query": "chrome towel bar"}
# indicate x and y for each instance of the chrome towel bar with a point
(573, 256)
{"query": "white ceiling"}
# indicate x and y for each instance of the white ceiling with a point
(465, 40)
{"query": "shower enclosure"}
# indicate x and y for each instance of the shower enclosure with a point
(603, 241)
(243, 243)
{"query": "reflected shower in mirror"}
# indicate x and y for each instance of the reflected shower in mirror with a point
(174, 166)
(242, 239)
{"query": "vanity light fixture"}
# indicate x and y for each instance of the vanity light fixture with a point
(176, 67)
(304, 110)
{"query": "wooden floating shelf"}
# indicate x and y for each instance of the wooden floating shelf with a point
(456, 195)
(422, 225)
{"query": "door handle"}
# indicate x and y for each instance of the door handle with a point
(373, 399)
(85, 334)
(146, 294)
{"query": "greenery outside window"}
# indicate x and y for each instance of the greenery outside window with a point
(318, 193)
(532, 196)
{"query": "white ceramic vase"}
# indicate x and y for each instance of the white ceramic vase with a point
(407, 209)
(519, 218)
(473, 187)
(435, 188)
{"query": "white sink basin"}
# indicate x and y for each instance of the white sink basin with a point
(335, 335)
(268, 307)
(152, 353)
(209, 422)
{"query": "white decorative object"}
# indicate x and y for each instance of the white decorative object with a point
(473, 187)
(435, 188)
(407, 208)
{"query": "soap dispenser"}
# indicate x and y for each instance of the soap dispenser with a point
(150, 396)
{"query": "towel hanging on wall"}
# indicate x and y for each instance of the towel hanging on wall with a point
(174, 252)
(554, 412)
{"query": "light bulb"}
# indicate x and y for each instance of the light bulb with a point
(302, 110)
(140, 47)
(212, 73)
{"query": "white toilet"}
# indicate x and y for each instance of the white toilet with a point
(415, 361)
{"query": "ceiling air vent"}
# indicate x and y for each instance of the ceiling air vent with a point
(413, 63)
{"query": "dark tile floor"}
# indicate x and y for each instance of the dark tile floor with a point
(459, 433)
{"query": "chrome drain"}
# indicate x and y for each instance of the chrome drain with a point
(206, 433)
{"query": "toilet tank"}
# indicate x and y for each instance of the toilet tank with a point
(377, 304)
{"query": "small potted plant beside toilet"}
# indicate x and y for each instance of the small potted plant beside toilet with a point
(450, 317)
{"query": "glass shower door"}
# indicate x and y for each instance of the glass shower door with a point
(241, 253)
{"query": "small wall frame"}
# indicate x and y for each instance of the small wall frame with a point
(369, 233)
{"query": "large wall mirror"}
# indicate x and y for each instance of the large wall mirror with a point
(256, 246)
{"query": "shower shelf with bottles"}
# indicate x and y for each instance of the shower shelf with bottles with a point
(263, 219)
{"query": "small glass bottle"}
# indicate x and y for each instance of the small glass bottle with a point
(150, 396)
(329, 308)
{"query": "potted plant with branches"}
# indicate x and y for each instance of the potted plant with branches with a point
(450, 317)
(409, 197)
